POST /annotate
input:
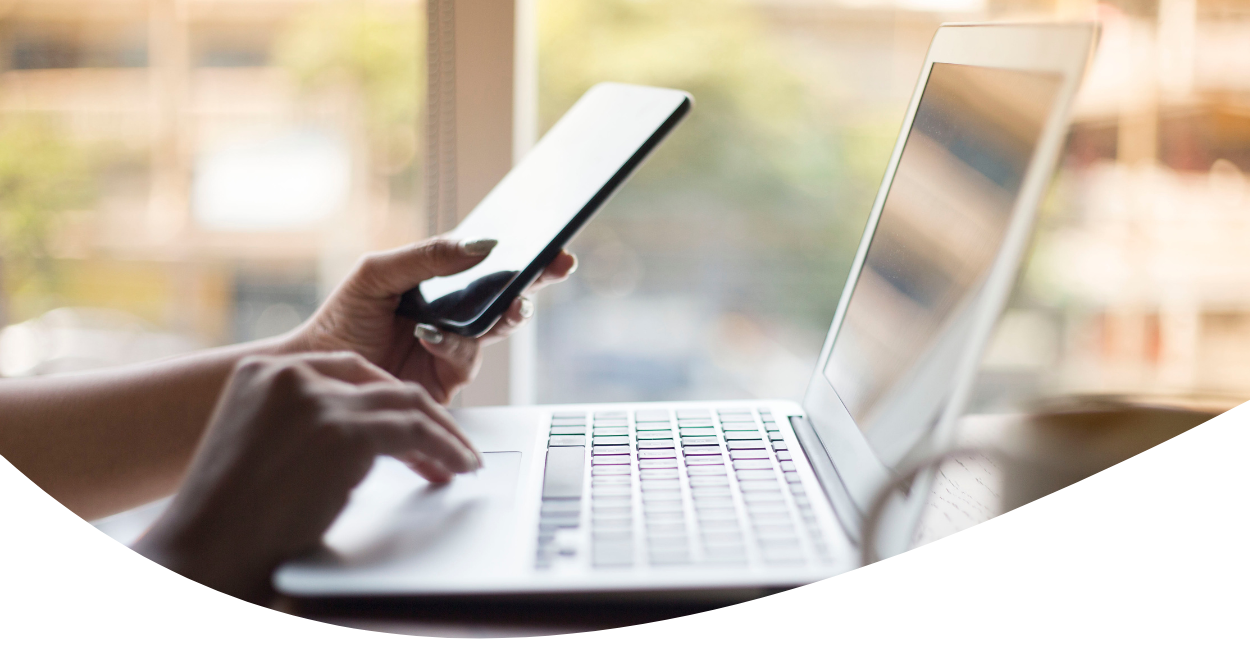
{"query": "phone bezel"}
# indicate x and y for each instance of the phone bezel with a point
(482, 323)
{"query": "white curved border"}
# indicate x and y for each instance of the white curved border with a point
(1152, 552)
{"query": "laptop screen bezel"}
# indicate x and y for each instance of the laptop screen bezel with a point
(1049, 48)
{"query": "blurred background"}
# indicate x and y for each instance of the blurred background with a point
(177, 174)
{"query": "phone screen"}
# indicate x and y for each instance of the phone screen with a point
(553, 187)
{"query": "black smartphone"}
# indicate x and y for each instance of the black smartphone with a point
(541, 204)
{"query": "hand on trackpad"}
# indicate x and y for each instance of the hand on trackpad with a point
(396, 513)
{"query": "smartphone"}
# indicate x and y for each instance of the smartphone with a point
(542, 203)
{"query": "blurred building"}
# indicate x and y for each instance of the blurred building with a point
(244, 156)
(230, 191)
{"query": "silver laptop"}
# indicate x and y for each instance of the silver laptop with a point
(689, 497)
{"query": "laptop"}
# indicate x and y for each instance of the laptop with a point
(713, 498)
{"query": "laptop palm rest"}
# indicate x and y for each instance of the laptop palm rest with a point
(397, 528)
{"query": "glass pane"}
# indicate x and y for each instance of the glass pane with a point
(174, 179)
(716, 271)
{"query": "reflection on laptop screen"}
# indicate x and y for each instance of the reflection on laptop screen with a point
(940, 229)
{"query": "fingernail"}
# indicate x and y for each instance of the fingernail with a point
(479, 247)
(428, 333)
(575, 263)
(527, 308)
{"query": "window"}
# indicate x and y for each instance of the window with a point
(187, 174)
(716, 271)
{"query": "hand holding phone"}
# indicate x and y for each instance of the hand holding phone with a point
(542, 203)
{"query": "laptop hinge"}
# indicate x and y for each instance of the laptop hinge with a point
(848, 514)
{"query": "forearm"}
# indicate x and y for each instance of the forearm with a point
(105, 441)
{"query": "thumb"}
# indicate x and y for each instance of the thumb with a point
(387, 273)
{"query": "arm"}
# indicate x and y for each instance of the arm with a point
(105, 441)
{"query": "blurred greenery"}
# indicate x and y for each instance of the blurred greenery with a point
(43, 174)
(762, 176)
(376, 48)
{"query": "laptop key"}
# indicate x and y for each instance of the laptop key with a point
(611, 440)
(610, 470)
(568, 430)
(662, 485)
(655, 432)
(693, 413)
(657, 474)
(784, 456)
(713, 500)
(657, 464)
(612, 558)
(748, 455)
(599, 491)
(657, 506)
(792, 477)
(716, 513)
(655, 443)
(675, 528)
(722, 537)
(601, 431)
(609, 480)
(746, 445)
(711, 491)
(748, 465)
(652, 415)
(657, 453)
(709, 481)
(611, 522)
(787, 466)
(705, 460)
(660, 495)
(611, 423)
(718, 469)
(667, 541)
(565, 469)
(560, 508)
(775, 530)
(566, 440)
(600, 460)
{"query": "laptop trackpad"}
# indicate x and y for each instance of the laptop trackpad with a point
(395, 520)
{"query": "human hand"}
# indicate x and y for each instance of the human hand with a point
(360, 315)
(289, 439)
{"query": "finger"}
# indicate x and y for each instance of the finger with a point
(460, 353)
(387, 273)
(395, 433)
(347, 367)
(521, 310)
(410, 396)
(427, 468)
(561, 268)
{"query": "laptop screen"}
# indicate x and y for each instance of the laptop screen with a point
(941, 226)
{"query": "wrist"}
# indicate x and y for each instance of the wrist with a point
(198, 557)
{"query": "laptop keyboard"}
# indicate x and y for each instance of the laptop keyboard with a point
(674, 488)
